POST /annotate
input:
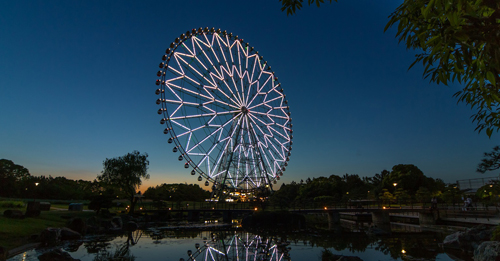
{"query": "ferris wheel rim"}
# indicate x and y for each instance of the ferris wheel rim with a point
(246, 106)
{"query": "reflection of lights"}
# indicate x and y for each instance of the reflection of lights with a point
(403, 251)
(241, 246)
(491, 186)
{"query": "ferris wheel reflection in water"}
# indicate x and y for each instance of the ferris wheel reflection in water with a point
(241, 246)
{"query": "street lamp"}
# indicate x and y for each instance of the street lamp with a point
(36, 185)
(394, 184)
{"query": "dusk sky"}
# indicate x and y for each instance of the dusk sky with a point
(77, 83)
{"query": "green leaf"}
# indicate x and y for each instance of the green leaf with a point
(489, 131)
(491, 77)
(428, 9)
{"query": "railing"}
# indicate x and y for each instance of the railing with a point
(302, 205)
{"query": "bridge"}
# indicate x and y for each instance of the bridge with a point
(376, 214)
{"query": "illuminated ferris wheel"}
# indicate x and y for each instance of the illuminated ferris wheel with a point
(224, 110)
(240, 246)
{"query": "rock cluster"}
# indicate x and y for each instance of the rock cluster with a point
(51, 236)
(56, 255)
(470, 239)
(487, 251)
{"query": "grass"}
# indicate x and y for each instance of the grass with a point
(16, 232)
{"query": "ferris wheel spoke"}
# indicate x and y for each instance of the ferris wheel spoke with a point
(189, 66)
(204, 115)
(229, 73)
(277, 132)
(198, 95)
(219, 40)
(236, 86)
(205, 54)
(212, 133)
(266, 103)
(266, 144)
(264, 134)
(267, 161)
(269, 115)
(259, 89)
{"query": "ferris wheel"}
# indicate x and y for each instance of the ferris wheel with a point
(240, 246)
(224, 110)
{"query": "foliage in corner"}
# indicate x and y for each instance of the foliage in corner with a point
(291, 6)
(459, 40)
(491, 161)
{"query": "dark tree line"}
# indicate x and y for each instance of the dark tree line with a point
(17, 182)
(177, 192)
(403, 182)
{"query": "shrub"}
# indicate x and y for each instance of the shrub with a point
(11, 204)
(496, 234)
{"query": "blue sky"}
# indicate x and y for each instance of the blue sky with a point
(77, 87)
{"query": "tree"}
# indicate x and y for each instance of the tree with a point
(291, 6)
(458, 40)
(406, 176)
(126, 173)
(491, 161)
(13, 179)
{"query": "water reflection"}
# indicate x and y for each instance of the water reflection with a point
(122, 252)
(238, 245)
(173, 244)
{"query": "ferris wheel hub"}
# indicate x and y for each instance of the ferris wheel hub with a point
(244, 110)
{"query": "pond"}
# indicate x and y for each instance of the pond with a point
(217, 243)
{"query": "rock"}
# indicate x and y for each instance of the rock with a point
(333, 257)
(68, 234)
(32, 209)
(117, 223)
(131, 226)
(452, 240)
(469, 239)
(105, 224)
(10, 213)
(3, 253)
(50, 236)
(487, 251)
(373, 230)
(56, 255)
(349, 258)
(78, 225)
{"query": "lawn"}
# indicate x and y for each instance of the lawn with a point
(16, 232)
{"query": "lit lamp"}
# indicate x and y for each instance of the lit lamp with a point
(34, 197)
(394, 184)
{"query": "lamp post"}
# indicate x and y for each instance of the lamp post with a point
(395, 184)
(34, 197)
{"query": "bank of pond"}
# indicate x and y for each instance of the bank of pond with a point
(259, 236)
